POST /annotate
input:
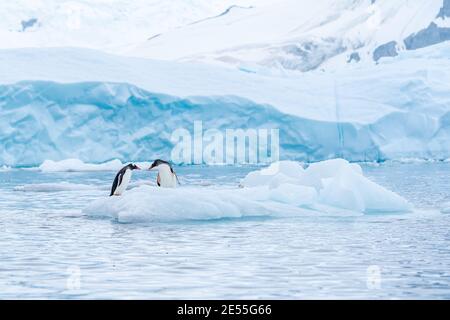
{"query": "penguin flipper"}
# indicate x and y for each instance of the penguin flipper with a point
(176, 176)
(120, 175)
(115, 184)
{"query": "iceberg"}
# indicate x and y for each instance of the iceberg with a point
(153, 204)
(79, 103)
(337, 183)
(5, 168)
(283, 189)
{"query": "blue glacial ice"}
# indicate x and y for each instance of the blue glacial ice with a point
(97, 122)
(97, 107)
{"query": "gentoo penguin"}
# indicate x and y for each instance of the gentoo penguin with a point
(167, 178)
(122, 179)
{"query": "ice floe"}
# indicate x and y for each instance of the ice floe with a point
(283, 189)
(5, 168)
(337, 182)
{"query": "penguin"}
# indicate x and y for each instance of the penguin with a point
(122, 179)
(166, 178)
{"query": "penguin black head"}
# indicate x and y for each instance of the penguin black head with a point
(132, 166)
(158, 162)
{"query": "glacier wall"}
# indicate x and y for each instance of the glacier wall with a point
(99, 121)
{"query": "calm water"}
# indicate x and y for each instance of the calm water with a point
(48, 249)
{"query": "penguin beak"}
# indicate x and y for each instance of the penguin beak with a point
(138, 168)
(151, 167)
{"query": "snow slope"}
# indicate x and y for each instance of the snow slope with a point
(85, 104)
(303, 35)
(98, 24)
(280, 34)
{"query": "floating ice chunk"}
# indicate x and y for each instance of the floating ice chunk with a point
(296, 195)
(149, 204)
(70, 165)
(275, 174)
(317, 173)
(5, 168)
(335, 186)
(337, 183)
(350, 190)
(53, 187)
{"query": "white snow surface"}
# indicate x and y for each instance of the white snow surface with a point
(330, 187)
(279, 34)
(100, 24)
(336, 182)
(363, 94)
(294, 34)
(5, 168)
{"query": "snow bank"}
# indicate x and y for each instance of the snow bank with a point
(57, 186)
(337, 183)
(283, 189)
(71, 165)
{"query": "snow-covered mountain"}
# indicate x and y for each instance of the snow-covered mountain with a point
(98, 24)
(282, 34)
(364, 80)
(304, 35)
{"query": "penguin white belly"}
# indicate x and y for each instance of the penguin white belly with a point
(167, 179)
(124, 183)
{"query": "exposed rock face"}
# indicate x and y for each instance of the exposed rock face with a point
(386, 50)
(427, 37)
(28, 23)
(445, 10)
(354, 57)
